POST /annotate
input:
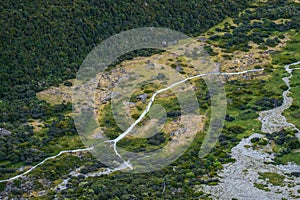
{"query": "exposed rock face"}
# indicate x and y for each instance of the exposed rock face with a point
(4, 132)
(239, 178)
(142, 97)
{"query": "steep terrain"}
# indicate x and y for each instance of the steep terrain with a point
(44, 46)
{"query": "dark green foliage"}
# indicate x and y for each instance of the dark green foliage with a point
(286, 140)
(24, 146)
(267, 103)
(253, 140)
(43, 44)
(156, 139)
(2, 186)
(229, 118)
(249, 114)
(236, 129)
(60, 127)
(68, 83)
(210, 51)
(259, 32)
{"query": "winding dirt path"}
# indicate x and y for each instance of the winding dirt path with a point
(42, 162)
(108, 171)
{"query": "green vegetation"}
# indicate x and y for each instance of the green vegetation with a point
(29, 148)
(290, 157)
(44, 43)
(261, 187)
(290, 53)
(257, 25)
(272, 178)
(293, 114)
(2, 186)
(284, 144)
(56, 54)
(247, 97)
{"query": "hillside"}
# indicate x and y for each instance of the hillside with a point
(252, 44)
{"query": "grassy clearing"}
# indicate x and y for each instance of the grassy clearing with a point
(244, 99)
(57, 95)
(293, 114)
(291, 52)
(63, 143)
(261, 187)
(295, 66)
(272, 178)
(222, 25)
(291, 157)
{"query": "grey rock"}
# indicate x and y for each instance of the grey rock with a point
(4, 132)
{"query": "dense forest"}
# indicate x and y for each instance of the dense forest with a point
(43, 43)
